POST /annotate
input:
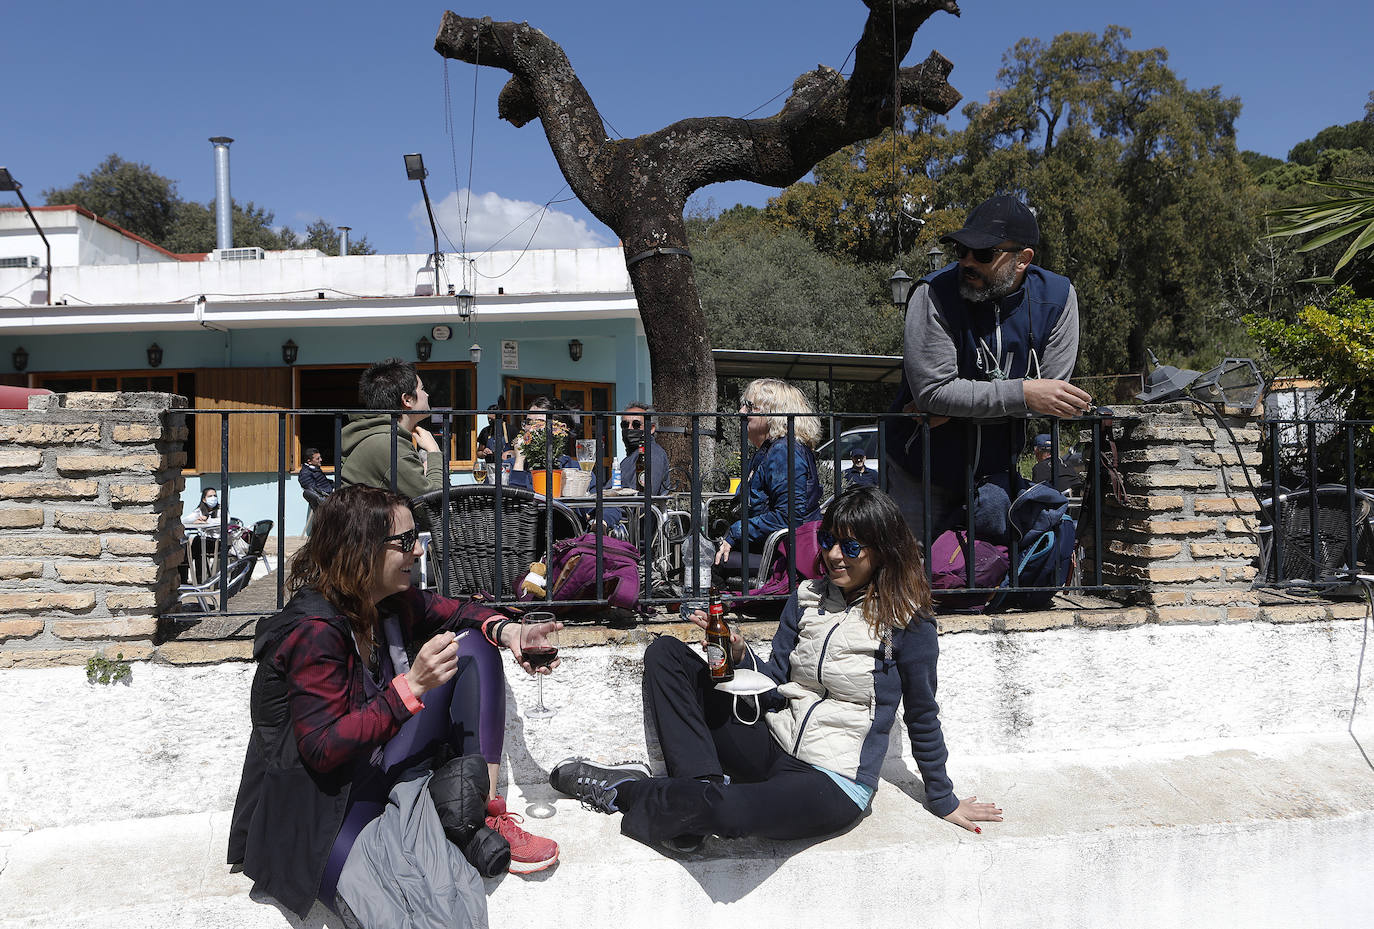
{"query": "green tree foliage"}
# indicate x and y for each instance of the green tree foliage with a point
(771, 289)
(864, 197)
(1333, 343)
(320, 234)
(1141, 194)
(134, 196)
(194, 229)
(1142, 197)
(126, 193)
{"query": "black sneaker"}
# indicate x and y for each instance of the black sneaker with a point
(594, 784)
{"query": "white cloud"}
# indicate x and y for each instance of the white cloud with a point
(494, 220)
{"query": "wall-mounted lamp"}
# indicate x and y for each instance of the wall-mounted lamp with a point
(20, 358)
(154, 356)
(575, 350)
(900, 282)
(423, 349)
(475, 353)
(289, 351)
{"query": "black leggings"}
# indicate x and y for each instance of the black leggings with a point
(771, 793)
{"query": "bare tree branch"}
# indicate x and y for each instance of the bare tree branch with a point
(638, 187)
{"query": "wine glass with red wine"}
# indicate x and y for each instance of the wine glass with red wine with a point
(539, 646)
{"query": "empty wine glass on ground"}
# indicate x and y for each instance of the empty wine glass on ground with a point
(539, 646)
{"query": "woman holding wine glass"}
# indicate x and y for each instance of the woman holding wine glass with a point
(361, 678)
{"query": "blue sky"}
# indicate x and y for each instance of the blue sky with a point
(322, 99)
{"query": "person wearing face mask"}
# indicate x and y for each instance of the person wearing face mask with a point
(208, 508)
(634, 421)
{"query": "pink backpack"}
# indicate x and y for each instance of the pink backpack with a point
(949, 573)
(572, 571)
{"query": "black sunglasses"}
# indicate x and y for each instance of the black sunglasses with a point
(981, 255)
(632, 424)
(850, 548)
(407, 539)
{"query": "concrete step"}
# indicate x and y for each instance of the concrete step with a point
(1246, 833)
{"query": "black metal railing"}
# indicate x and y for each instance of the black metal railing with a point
(1316, 503)
(666, 580)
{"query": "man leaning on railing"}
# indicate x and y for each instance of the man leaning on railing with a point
(989, 336)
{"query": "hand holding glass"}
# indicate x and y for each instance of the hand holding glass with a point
(539, 654)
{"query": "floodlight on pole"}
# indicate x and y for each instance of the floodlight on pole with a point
(9, 185)
(415, 171)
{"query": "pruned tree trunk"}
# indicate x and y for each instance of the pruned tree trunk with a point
(638, 187)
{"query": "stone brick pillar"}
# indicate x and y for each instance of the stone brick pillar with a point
(1187, 529)
(89, 523)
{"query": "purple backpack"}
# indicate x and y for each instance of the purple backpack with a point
(572, 571)
(808, 553)
(949, 573)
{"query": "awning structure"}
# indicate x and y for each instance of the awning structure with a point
(808, 366)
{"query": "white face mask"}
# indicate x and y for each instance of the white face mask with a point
(211, 501)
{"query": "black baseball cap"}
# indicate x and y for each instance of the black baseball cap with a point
(996, 220)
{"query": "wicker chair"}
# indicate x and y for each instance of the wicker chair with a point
(1334, 564)
(469, 565)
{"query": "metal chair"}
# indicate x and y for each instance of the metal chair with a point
(240, 572)
(1337, 555)
(470, 563)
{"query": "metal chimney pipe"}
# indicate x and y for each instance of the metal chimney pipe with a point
(224, 206)
(343, 239)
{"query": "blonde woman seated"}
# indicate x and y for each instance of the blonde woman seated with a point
(767, 488)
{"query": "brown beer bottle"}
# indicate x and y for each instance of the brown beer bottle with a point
(639, 468)
(719, 656)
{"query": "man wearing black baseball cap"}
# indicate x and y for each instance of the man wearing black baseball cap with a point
(989, 338)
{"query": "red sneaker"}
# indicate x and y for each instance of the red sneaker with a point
(528, 853)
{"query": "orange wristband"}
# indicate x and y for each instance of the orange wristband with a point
(411, 701)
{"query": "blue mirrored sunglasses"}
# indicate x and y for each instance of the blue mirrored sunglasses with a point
(850, 548)
(406, 539)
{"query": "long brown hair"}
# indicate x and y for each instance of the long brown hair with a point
(343, 555)
(898, 590)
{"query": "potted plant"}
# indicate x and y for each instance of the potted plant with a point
(541, 445)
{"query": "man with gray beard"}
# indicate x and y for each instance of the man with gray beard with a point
(989, 338)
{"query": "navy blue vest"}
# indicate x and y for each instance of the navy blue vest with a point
(1027, 319)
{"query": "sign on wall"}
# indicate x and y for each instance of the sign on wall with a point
(510, 355)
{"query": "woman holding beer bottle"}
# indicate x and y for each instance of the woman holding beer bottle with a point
(849, 648)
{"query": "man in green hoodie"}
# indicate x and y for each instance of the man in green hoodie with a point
(392, 384)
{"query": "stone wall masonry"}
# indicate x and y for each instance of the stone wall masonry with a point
(90, 506)
(1185, 529)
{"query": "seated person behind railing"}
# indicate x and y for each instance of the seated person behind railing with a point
(392, 384)
(493, 442)
(637, 418)
(208, 508)
(811, 764)
(767, 486)
(312, 476)
(337, 712)
(541, 446)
